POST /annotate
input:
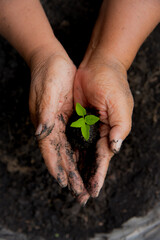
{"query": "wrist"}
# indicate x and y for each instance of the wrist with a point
(100, 58)
(122, 27)
(117, 55)
(42, 52)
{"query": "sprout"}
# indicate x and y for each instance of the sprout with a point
(85, 121)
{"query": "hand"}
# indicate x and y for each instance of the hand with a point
(101, 83)
(51, 104)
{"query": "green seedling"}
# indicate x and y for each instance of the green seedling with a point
(85, 121)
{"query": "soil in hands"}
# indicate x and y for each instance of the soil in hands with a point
(86, 149)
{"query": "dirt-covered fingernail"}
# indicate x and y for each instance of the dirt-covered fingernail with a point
(43, 131)
(83, 198)
(61, 177)
(115, 145)
(93, 188)
(61, 182)
(95, 193)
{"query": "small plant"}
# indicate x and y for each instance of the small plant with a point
(84, 122)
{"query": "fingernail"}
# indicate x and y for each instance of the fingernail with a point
(61, 181)
(61, 184)
(93, 188)
(39, 130)
(83, 198)
(115, 145)
(83, 204)
(95, 193)
(43, 131)
(42, 128)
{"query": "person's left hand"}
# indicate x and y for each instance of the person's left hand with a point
(102, 84)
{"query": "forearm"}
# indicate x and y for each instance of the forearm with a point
(24, 24)
(125, 26)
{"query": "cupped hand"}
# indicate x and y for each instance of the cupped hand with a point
(101, 83)
(51, 104)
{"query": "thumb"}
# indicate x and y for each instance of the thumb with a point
(43, 131)
(117, 134)
(120, 123)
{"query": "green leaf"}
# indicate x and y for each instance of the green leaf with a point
(80, 110)
(91, 119)
(78, 123)
(85, 131)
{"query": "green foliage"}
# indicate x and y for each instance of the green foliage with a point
(78, 123)
(80, 110)
(91, 119)
(85, 131)
(84, 122)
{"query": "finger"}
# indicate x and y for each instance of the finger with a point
(46, 108)
(43, 130)
(75, 181)
(120, 121)
(50, 150)
(61, 176)
(104, 155)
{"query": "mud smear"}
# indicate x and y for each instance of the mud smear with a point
(61, 177)
(45, 132)
(69, 153)
(61, 118)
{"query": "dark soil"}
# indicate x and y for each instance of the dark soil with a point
(87, 149)
(30, 199)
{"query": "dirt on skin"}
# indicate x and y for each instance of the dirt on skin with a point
(31, 201)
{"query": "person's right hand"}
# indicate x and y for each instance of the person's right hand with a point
(51, 104)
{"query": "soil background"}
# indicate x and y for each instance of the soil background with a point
(31, 201)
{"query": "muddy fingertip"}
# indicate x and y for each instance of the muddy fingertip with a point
(62, 177)
(83, 198)
(61, 183)
(115, 145)
(93, 189)
(43, 131)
